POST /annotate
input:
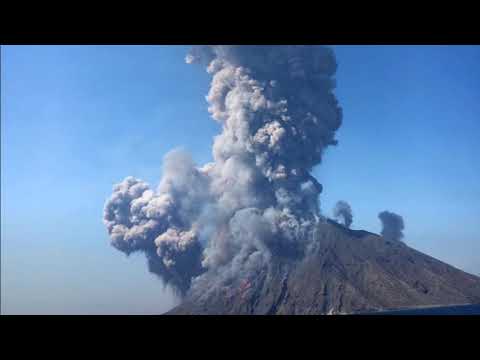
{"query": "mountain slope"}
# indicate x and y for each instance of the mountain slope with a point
(347, 272)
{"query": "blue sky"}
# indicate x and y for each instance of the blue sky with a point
(77, 119)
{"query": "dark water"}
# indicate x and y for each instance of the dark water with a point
(444, 310)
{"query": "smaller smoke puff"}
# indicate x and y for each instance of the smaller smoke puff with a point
(343, 211)
(392, 225)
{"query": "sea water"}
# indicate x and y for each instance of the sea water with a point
(438, 310)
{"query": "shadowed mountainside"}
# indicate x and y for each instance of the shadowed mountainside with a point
(348, 271)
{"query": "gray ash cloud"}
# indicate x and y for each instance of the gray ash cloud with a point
(343, 211)
(392, 225)
(208, 225)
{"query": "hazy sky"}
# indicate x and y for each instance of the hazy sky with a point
(77, 119)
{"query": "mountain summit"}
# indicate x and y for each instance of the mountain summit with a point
(347, 271)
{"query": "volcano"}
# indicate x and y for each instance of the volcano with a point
(244, 234)
(346, 271)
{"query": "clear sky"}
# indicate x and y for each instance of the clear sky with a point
(77, 119)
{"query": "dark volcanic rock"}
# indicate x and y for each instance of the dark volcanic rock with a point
(348, 271)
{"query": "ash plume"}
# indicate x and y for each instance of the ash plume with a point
(392, 225)
(342, 210)
(212, 224)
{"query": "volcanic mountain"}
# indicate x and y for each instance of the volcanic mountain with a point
(347, 271)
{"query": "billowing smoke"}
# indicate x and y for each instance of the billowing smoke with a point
(343, 211)
(224, 221)
(392, 225)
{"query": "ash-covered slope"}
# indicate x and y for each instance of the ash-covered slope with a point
(346, 272)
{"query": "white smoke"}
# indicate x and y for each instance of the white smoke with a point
(257, 198)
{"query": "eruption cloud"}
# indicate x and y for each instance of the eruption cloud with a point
(223, 221)
(342, 210)
(392, 225)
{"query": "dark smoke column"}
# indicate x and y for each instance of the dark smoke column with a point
(392, 225)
